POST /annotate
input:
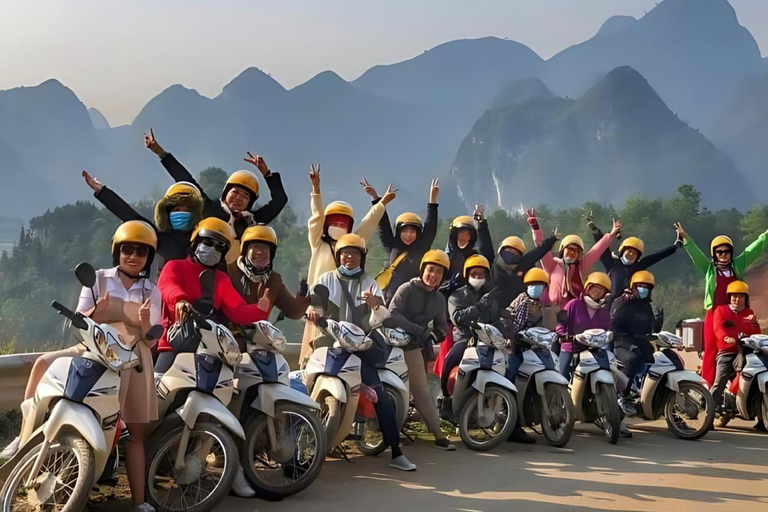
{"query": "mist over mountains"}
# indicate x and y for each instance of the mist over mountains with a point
(679, 96)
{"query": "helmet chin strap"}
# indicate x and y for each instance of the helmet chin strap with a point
(126, 274)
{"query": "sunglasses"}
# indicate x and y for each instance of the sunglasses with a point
(141, 251)
(722, 253)
(219, 246)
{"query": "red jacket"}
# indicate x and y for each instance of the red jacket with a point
(730, 324)
(180, 280)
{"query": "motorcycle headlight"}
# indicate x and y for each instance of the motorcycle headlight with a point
(595, 338)
(396, 337)
(757, 342)
(230, 351)
(351, 337)
(670, 339)
(119, 357)
(100, 338)
(266, 334)
(539, 336)
(490, 335)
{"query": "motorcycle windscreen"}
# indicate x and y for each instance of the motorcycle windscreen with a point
(266, 362)
(485, 356)
(335, 361)
(83, 375)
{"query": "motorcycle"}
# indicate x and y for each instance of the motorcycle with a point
(484, 404)
(666, 389)
(71, 425)
(547, 402)
(394, 378)
(284, 446)
(751, 396)
(593, 386)
(192, 458)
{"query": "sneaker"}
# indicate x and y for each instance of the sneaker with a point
(519, 435)
(402, 464)
(241, 487)
(446, 408)
(624, 431)
(144, 507)
(760, 426)
(627, 406)
(444, 444)
(11, 449)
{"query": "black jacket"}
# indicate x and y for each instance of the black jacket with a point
(632, 320)
(413, 308)
(509, 280)
(467, 307)
(213, 207)
(455, 278)
(408, 268)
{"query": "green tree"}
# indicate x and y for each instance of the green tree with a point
(212, 180)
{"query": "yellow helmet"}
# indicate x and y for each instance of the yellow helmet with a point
(536, 275)
(476, 260)
(571, 240)
(184, 187)
(137, 232)
(632, 243)
(718, 241)
(263, 234)
(514, 242)
(213, 227)
(246, 180)
(408, 219)
(340, 208)
(599, 279)
(436, 257)
(463, 221)
(350, 240)
(642, 277)
(738, 287)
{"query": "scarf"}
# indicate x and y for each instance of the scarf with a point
(245, 216)
(252, 275)
(520, 309)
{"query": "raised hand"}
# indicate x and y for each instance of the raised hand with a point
(151, 143)
(102, 304)
(530, 214)
(389, 195)
(434, 190)
(144, 311)
(616, 227)
(264, 303)
(368, 188)
(259, 162)
(680, 231)
(371, 300)
(92, 182)
(556, 233)
(479, 213)
(314, 177)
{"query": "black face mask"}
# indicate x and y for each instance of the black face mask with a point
(510, 258)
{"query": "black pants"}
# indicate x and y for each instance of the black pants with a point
(725, 371)
(452, 360)
(634, 357)
(385, 409)
(164, 361)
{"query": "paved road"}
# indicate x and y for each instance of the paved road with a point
(654, 471)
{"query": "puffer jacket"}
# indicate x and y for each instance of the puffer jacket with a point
(509, 278)
(632, 320)
(455, 278)
(467, 306)
(414, 308)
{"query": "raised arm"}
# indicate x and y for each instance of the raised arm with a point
(316, 222)
(113, 202)
(427, 237)
(177, 171)
(700, 260)
(530, 258)
(755, 250)
(594, 253)
(547, 261)
(371, 220)
(386, 235)
(657, 256)
(277, 196)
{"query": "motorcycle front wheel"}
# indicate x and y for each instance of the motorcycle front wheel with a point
(690, 412)
(608, 410)
(497, 422)
(557, 426)
(330, 417)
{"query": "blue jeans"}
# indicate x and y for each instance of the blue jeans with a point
(514, 363)
(566, 361)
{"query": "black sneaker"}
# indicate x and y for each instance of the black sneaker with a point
(521, 436)
(624, 431)
(760, 426)
(444, 444)
(446, 409)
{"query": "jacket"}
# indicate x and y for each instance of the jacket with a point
(455, 278)
(408, 268)
(413, 308)
(279, 296)
(577, 320)
(340, 309)
(466, 307)
(632, 320)
(733, 325)
(556, 268)
(214, 206)
(509, 279)
(180, 280)
(740, 264)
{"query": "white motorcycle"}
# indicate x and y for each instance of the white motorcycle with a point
(285, 443)
(593, 386)
(332, 376)
(484, 403)
(71, 425)
(394, 378)
(666, 389)
(751, 400)
(543, 397)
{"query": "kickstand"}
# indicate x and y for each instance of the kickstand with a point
(409, 438)
(343, 454)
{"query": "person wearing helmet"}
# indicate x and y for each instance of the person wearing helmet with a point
(512, 264)
(409, 240)
(415, 306)
(253, 276)
(325, 226)
(720, 269)
(732, 321)
(475, 302)
(180, 282)
(348, 294)
(566, 271)
(240, 193)
(176, 214)
(124, 297)
(632, 321)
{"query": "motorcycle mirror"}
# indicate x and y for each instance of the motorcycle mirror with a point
(86, 275)
(320, 296)
(154, 333)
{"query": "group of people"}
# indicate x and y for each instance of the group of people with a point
(435, 296)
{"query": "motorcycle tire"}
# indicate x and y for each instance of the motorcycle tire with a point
(557, 437)
(609, 405)
(709, 409)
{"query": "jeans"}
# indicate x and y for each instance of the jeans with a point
(724, 371)
(514, 363)
(634, 358)
(452, 360)
(385, 409)
(566, 362)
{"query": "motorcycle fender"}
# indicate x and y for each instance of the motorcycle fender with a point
(393, 380)
(35, 439)
(547, 376)
(78, 417)
(601, 376)
(675, 378)
(199, 403)
(271, 393)
(334, 385)
(761, 380)
(485, 377)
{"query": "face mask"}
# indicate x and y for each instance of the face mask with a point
(569, 261)
(208, 256)
(476, 283)
(625, 261)
(350, 272)
(510, 258)
(336, 232)
(643, 293)
(180, 220)
(535, 291)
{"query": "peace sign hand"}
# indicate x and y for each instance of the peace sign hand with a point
(259, 162)
(368, 188)
(389, 195)
(434, 190)
(150, 142)
(92, 182)
(314, 177)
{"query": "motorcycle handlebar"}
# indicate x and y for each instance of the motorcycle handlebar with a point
(76, 318)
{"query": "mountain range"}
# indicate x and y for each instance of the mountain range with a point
(621, 111)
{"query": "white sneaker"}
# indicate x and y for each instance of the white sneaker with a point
(402, 464)
(144, 507)
(241, 487)
(11, 450)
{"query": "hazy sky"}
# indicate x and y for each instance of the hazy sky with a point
(116, 56)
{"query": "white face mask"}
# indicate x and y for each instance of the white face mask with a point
(476, 283)
(569, 261)
(336, 232)
(625, 261)
(208, 256)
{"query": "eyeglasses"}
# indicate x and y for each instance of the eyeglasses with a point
(239, 192)
(722, 253)
(210, 242)
(142, 251)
